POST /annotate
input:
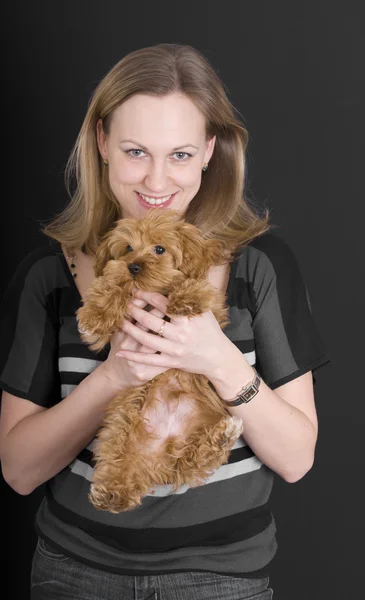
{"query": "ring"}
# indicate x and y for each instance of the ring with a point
(161, 329)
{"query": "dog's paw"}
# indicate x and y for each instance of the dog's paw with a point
(113, 501)
(86, 335)
(191, 298)
(96, 325)
(95, 342)
(96, 337)
(233, 429)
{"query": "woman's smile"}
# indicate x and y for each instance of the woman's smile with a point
(149, 201)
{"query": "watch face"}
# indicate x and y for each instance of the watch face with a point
(251, 392)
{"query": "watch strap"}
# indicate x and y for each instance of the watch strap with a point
(246, 394)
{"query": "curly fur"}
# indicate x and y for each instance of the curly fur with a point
(131, 456)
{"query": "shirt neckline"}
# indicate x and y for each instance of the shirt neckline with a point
(228, 292)
(66, 268)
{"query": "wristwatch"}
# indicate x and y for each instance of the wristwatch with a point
(246, 394)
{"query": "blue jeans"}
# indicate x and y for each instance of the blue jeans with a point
(55, 576)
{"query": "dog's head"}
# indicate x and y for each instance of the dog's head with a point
(153, 251)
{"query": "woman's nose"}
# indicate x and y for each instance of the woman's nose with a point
(156, 179)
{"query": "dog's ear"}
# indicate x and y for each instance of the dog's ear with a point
(103, 254)
(198, 254)
(112, 244)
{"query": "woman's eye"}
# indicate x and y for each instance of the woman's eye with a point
(133, 151)
(138, 153)
(159, 249)
(182, 156)
(129, 248)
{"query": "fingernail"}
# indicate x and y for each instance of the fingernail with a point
(120, 354)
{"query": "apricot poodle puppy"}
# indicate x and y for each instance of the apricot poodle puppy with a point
(174, 429)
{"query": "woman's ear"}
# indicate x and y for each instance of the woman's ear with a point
(209, 149)
(101, 139)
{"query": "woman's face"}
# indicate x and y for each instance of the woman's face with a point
(156, 149)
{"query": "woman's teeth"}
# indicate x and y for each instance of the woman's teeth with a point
(155, 200)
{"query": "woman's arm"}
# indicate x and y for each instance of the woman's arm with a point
(36, 443)
(280, 426)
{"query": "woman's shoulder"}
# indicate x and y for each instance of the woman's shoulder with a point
(50, 247)
(42, 268)
(268, 254)
(271, 245)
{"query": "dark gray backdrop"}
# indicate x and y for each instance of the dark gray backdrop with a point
(295, 72)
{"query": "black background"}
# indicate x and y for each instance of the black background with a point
(295, 71)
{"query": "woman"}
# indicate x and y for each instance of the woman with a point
(159, 131)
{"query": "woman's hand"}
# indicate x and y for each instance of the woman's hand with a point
(123, 373)
(195, 344)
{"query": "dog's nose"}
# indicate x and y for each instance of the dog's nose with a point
(134, 268)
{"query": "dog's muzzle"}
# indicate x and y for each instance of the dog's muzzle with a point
(134, 268)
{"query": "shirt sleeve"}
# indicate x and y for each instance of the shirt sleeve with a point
(287, 341)
(29, 332)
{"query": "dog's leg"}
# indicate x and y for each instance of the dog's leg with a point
(126, 461)
(193, 297)
(103, 312)
(206, 450)
(119, 487)
(114, 486)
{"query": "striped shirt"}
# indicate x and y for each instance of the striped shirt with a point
(224, 526)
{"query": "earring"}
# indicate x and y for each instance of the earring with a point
(105, 162)
(205, 168)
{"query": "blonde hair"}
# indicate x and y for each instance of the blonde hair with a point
(219, 208)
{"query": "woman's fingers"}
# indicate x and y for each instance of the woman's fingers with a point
(154, 299)
(124, 340)
(154, 342)
(141, 304)
(153, 360)
(155, 313)
(128, 342)
(149, 321)
(137, 302)
(149, 317)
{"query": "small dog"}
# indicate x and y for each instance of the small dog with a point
(174, 429)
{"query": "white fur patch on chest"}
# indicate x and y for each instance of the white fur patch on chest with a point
(169, 417)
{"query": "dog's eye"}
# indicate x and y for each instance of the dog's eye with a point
(129, 248)
(159, 250)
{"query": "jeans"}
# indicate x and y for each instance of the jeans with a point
(55, 575)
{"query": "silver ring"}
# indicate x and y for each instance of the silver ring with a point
(160, 333)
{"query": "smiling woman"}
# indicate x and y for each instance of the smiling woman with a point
(159, 130)
(159, 134)
(155, 171)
